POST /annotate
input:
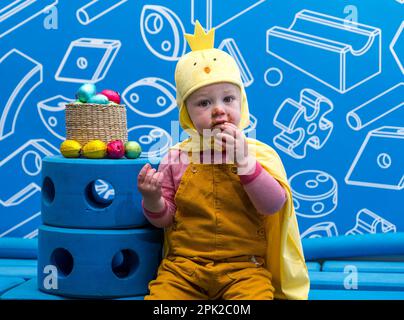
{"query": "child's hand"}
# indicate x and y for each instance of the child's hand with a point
(149, 183)
(233, 142)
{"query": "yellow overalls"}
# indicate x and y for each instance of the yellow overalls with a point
(217, 242)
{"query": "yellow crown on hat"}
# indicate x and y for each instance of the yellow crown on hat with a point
(201, 40)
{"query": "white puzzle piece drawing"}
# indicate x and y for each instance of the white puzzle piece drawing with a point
(315, 193)
(376, 108)
(324, 48)
(320, 230)
(304, 124)
(28, 75)
(397, 47)
(273, 77)
(22, 166)
(96, 9)
(87, 60)
(162, 32)
(52, 114)
(248, 131)
(230, 46)
(379, 162)
(150, 97)
(369, 222)
(212, 13)
(153, 140)
(15, 13)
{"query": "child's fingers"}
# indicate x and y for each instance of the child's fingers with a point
(142, 173)
(149, 176)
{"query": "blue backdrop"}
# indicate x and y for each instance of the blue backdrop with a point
(324, 81)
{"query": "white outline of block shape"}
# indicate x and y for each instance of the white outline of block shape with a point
(383, 160)
(363, 226)
(163, 14)
(96, 9)
(15, 101)
(229, 45)
(317, 207)
(165, 87)
(158, 152)
(376, 108)
(112, 47)
(326, 44)
(328, 228)
(393, 43)
(18, 7)
(311, 104)
(208, 24)
(45, 110)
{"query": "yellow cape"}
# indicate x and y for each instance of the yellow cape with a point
(284, 258)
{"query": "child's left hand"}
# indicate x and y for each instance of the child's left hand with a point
(232, 140)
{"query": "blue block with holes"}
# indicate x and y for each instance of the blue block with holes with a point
(98, 263)
(92, 193)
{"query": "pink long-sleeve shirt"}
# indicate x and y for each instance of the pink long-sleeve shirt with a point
(264, 191)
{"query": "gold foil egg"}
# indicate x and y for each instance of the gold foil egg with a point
(95, 149)
(70, 149)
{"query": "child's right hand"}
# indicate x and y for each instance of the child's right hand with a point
(149, 183)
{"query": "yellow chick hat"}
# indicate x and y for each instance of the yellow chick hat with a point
(205, 65)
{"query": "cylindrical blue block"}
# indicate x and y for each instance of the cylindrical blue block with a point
(98, 263)
(71, 197)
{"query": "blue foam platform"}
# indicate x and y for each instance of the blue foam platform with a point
(18, 263)
(364, 281)
(355, 295)
(28, 290)
(99, 263)
(313, 266)
(18, 248)
(7, 283)
(364, 266)
(366, 245)
(70, 198)
(26, 272)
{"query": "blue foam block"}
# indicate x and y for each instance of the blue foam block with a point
(364, 266)
(18, 248)
(26, 272)
(99, 263)
(7, 283)
(366, 245)
(313, 266)
(362, 281)
(355, 295)
(69, 198)
(18, 263)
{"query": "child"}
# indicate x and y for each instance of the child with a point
(230, 228)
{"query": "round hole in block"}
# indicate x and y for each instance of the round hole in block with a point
(124, 263)
(100, 194)
(48, 191)
(63, 261)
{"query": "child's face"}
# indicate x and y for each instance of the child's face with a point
(214, 104)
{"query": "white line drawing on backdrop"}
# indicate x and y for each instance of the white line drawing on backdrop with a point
(230, 46)
(321, 230)
(32, 234)
(315, 193)
(210, 16)
(19, 225)
(398, 42)
(150, 97)
(154, 141)
(162, 32)
(376, 108)
(52, 114)
(252, 126)
(369, 222)
(273, 73)
(16, 89)
(87, 60)
(379, 162)
(325, 48)
(303, 124)
(19, 12)
(21, 195)
(96, 9)
(400, 1)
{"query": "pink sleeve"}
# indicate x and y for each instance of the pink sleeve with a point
(164, 218)
(264, 191)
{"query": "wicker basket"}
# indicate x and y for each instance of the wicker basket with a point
(86, 122)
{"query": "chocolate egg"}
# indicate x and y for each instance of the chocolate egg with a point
(86, 91)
